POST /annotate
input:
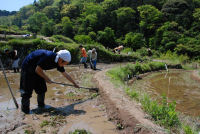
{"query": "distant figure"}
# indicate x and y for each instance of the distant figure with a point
(14, 59)
(83, 56)
(149, 52)
(118, 49)
(93, 58)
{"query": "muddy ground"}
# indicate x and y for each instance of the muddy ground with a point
(108, 112)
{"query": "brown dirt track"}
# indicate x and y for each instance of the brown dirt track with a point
(123, 111)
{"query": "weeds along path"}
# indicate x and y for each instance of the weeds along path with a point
(126, 113)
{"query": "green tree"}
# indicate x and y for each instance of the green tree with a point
(83, 39)
(194, 30)
(108, 18)
(17, 21)
(43, 3)
(26, 11)
(90, 23)
(52, 12)
(92, 35)
(48, 28)
(179, 11)
(106, 37)
(110, 5)
(91, 17)
(126, 20)
(134, 40)
(92, 8)
(150, 20)
(166, 36)
(189, 46)
(58, 29)
(70, 11)
(67, 27)
(36, 22)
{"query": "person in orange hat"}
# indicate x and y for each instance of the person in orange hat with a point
(83, 56)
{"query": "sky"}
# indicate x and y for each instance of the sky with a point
(14, 5)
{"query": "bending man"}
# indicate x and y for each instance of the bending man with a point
(34, 78)
(93, 58)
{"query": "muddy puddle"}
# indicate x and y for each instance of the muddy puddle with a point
(67, 108)
(176, 86)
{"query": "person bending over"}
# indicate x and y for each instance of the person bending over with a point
(33, 76)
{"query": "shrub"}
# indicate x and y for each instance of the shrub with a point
(61, 38)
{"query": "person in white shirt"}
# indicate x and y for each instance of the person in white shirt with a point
(93, 58)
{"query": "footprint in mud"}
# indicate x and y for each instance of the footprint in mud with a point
(58, 93)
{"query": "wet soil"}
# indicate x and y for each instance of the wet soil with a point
(67, 108)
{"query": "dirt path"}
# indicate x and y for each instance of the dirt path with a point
(122, 110)
(195, 75)
(68, 109)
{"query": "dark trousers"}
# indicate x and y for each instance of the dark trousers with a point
(16, 70)
(28, 83)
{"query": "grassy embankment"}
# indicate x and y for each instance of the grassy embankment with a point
(163, 113)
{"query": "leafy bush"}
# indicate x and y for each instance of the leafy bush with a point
(187, 129)
(135, 69)
(80, 131)
(61, 38)
(24, 47)
(83, 39)
(173, 57)
(163, 113)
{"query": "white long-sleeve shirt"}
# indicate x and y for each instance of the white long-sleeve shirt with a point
(93, 56)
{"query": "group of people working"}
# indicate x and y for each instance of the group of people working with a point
(34, 78)
(92, 57)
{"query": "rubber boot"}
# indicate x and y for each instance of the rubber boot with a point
(25, 105)
(40, 100)
(91, 66)
(85, 65)
(15, 70)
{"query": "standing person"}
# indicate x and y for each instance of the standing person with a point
(83, 56)
(93, 58)
(33, 76)
(89, 54)
(14, 59)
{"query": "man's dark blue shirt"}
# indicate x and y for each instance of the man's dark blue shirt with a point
(43, 58)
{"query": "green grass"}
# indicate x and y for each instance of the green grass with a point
(80, 131)
(70, 94)
(54, 120)
(29, 131)
(162, 113)
(44, 123)
(173, 58)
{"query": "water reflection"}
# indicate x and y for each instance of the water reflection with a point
(177, 86)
